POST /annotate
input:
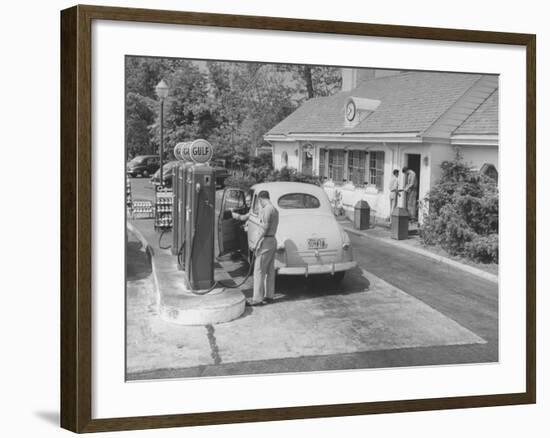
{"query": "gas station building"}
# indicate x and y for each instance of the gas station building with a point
(383, 120)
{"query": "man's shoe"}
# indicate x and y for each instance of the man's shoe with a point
(269, 300)
(251, 303)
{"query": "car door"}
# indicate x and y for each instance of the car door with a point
(229, 229)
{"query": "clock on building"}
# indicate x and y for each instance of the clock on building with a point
(350, 110)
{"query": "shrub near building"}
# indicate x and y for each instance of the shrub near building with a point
(255, 175)
(463, 213)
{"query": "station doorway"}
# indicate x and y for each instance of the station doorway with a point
(307, 161)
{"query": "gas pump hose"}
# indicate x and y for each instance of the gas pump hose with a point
(218, 283)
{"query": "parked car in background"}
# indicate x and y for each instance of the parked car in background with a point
(309, 239)
(166, 174)
(143, 165)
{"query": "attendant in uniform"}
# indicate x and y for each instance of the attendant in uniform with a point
(394, 190)
(411, 192)
(264, 265)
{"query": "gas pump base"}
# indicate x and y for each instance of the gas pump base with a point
(217, 306)
(175, 302)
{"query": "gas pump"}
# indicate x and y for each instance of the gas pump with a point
(178, 187)
(194, 186)
(194, 213)
(199, 229)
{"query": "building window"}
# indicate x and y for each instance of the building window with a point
(356, 167)
(336, 165)
(376, 169)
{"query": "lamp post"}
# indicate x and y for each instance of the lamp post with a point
(162, 93)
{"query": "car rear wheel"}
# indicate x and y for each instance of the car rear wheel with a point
(338, 276)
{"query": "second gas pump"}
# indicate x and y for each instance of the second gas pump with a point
(194, 213)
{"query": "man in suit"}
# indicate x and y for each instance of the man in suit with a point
(411, 192)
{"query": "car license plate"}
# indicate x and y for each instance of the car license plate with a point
(317, 243)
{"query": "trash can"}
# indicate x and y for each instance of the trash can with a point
(400, 223)
(361, 215)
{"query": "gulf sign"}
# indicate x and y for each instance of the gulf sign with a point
(181, 151)
(200, 151)
(177, 152)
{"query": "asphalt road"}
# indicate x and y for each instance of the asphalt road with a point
(469, 300)
(462, 298)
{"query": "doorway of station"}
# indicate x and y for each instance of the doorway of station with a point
(307, 161)
(413, 163)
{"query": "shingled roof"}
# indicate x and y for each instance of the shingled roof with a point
(410, 102)
(484, 120)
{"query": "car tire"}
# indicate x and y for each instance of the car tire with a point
(338, 276)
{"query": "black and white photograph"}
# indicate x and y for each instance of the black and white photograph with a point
(285, 218)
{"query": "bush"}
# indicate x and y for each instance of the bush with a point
(483, 248)
(263, 174)
(463, 213)
(243, 182)
(290, 174)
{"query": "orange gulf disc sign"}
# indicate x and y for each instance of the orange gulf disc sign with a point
(201, 151)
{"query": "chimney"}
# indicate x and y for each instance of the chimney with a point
(353, 77)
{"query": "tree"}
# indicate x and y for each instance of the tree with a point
(313, 80)
(231, 104)
(249, 99)
(308, 79)
(139, 115)
(187, 109)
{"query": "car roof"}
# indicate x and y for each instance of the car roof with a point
(277, 189)
(145, 156)
(281, 187)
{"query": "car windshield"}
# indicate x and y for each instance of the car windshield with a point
(298, 200)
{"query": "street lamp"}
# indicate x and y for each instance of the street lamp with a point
(162, 93)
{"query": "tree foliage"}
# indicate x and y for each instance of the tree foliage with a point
(463, 213)
(231, 104)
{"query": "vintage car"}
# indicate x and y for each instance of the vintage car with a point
(309, 239)
(143, 165)
(166, 174)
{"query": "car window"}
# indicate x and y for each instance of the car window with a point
(249, 197)
(255, 205)
(298, 200)
(234, 199)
